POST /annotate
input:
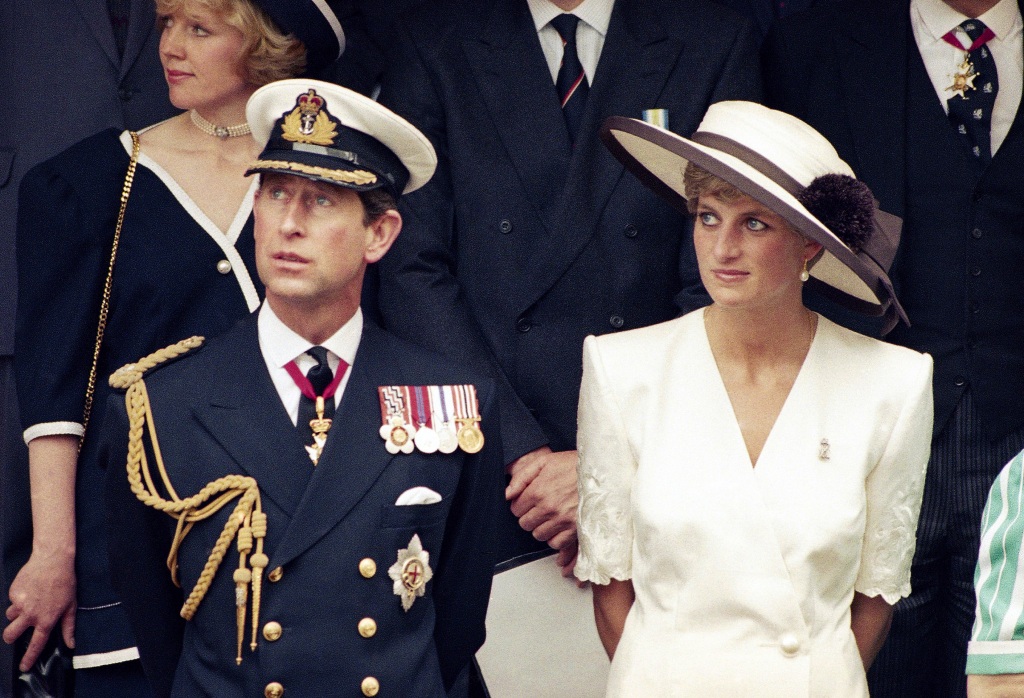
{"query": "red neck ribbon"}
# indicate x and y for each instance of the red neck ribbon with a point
(950, 38)
(307, 388)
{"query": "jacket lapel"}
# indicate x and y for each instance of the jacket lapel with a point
(872, 55)
(98, 19)
(635, 38)
(245, 416)
(513, 79)
(141, 21)
(354, 456)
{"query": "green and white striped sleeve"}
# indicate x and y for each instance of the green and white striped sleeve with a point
(997, 642)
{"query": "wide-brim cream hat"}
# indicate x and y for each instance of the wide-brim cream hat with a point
(326, 132)
(792, 169)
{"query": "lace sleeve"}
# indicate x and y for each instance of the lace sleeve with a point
(894, 490)
(606, 468)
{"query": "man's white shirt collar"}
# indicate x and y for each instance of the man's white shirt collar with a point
(280, 344)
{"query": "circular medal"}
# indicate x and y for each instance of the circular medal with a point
(413, 577)
(447, 442)
(399, 436)
(471, 439)
(426, 440)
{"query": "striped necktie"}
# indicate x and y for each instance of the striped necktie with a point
(572, 81)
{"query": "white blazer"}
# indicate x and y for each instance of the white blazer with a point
(744, 576)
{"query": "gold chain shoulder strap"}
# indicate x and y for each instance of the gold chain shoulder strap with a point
(90, 388)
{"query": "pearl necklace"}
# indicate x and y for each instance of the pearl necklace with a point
(222, 132)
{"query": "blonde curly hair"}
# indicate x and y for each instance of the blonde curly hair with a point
(269, 53)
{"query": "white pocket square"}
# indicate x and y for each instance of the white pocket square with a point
(417, 495)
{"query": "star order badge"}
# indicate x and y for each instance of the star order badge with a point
(411, 572)
(963, 78)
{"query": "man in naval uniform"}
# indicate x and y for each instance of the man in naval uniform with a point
(335, 497)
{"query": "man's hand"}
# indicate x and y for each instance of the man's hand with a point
(544, 498)
(42, 595)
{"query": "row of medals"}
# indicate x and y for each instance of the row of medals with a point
(445, 439)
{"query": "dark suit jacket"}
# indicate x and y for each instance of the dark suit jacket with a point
(218, 413)
(846, 69)
(63, 80)
(522, 244)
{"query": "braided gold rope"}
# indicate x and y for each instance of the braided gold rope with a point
(247, 523)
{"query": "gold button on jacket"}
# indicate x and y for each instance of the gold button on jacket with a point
(367, 567)
(370, 686)
(367, 627)
(273, 690)
(275, 574)
(272, 631)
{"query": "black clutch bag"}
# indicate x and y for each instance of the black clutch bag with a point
(52, 676)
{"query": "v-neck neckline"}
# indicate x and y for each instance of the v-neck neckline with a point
(225, 240)
(794, 389)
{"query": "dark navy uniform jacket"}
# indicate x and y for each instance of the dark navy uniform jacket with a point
(217, 413)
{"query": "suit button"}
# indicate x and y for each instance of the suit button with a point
(505, 226)
(126, 94)
(790, 644)
(367, 567)
(959, 381)
(523, 325)
(367, 627)
(272, 631)
(224, 266)
(275, 574)
(975, 271)
(616, 321)
(975, 308)
(976, 233)
(370, 686)
(273, 690)
(630, 231)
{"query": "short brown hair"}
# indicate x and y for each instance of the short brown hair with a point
(376, 203)
(699, 182)
(269, 54)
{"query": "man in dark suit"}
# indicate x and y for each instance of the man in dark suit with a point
(886, 82)
(530, 237)
(374, 524)
(70, 69)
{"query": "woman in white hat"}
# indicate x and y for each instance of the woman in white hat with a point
(751, 473)
(183, 265)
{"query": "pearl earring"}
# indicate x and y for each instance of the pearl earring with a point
(804, 275)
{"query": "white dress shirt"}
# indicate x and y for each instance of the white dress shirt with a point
(590, 33)
(931, 19)
(279, 344)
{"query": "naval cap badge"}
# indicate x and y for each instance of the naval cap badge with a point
(411, 572)
(310, 122)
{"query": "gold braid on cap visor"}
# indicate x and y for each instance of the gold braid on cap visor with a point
(358, 177)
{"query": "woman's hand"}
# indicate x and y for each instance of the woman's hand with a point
(42, 595)
(612, 602)
(43, 592)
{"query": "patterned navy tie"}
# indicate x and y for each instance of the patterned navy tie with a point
(572, 81)
(320, 376)
(975, 85)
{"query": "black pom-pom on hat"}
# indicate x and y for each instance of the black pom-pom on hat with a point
(844, 204)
